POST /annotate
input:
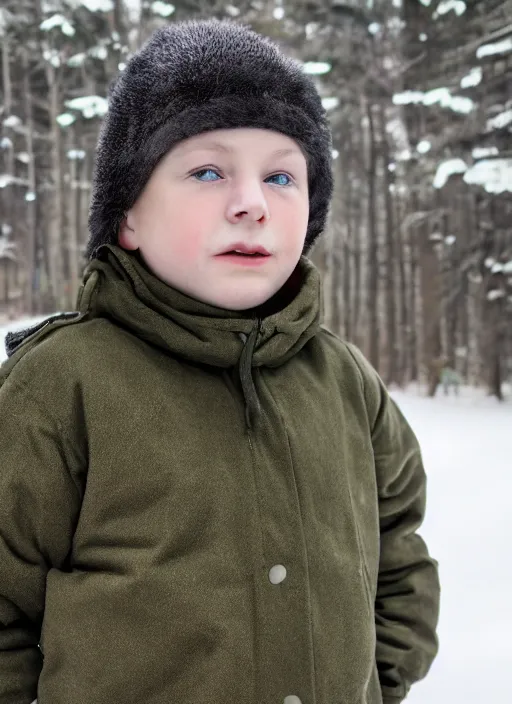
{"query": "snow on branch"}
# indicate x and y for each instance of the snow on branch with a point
(496, 48)
(89, 106)
(437, 95)
(164, 9)
(447, 169)
(58, 21)
(498, 122)
(494, 175)
(473, 78)
(95, 5)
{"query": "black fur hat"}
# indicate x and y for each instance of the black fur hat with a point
(192, 77)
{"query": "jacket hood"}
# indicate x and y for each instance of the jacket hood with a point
(126, 292)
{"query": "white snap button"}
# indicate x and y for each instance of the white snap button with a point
(277, 574)
(292, 699)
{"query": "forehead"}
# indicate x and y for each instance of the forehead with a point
(239, 140)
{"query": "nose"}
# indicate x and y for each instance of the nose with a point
(247, 202)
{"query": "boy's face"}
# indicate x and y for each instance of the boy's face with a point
(218, 191)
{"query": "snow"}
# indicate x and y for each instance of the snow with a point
(278, 13)
(97, 5)
(448, 168)
(424, 146)
(330, 103)
(76, 154)
(12, 121)
(465, 444)
(495, 48)
(52, 56)
(316, 68)
(442, 96)
(58, 21)
(482, 152)
(65, 119)
(7, 248)
(3, 21)
(457, 6)
(473, 78)
(76, 60)
(163, 9)
(89, 105)
(404, 155)
(466, 450)
(495, 175)
(499, 121)
(232, 10)
(495, 293)
(98, 52)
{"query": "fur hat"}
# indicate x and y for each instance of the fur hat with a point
(192, 77)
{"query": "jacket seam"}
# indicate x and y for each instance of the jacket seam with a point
(310, 621)
(362, 382)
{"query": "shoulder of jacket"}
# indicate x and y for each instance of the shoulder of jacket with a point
(352, 358)
(347, 350)
(48, 348)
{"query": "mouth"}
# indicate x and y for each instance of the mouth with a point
(245, 256)
(239, 249)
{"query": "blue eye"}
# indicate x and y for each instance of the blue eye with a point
(198, 175)
(281, 177)
(205, 175)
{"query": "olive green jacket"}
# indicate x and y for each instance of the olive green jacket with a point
(202, 508)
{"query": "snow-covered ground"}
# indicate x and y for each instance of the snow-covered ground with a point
(467, 450)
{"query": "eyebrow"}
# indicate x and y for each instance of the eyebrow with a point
(219, 147)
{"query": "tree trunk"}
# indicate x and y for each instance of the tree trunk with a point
(392, 351)
(72, 239)
(372, 272)
(55, 258)
(431, 308)
(30, 239)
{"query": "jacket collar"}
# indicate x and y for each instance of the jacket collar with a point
(128, 293)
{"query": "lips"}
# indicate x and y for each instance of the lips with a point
(241, 248)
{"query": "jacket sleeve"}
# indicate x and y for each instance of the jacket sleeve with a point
(408, 590)
(39, 507)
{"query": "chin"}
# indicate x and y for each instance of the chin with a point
(248, 304)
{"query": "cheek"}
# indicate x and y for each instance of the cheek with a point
(294, 223)
(191, 232)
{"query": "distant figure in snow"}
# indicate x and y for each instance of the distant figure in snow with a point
(450, 379)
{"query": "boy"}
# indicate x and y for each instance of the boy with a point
(206, 497)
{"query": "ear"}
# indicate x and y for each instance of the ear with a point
(127, 236)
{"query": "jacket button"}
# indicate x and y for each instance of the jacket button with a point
(277, 574)
(292, 699)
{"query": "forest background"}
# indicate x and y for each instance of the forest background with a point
(417, 257)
